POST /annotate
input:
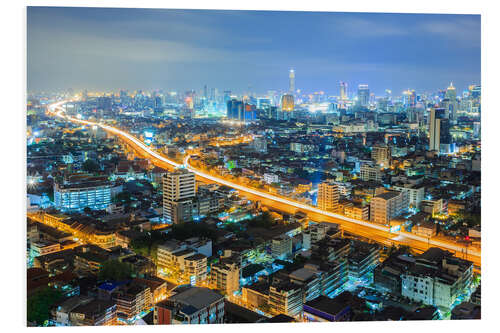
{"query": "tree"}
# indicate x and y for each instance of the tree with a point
(264, 220)
(116, 270)
(90, 166)
(40, 303)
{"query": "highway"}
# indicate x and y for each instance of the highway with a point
(366, 229)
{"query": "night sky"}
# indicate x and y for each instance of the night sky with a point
(111, 49)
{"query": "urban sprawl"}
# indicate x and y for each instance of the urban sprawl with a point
(199, 207)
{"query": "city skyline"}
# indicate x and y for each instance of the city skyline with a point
(111, 49)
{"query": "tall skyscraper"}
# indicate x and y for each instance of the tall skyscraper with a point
(451, 95)
(343, 91)
(178, 193)
(363, 95)
(291, 76)
(287, 102)
(328, 196)
(439, 131)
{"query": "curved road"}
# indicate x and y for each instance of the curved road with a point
(366, 229)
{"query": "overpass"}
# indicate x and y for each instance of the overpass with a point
(357, 227)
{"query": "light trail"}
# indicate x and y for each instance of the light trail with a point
(145, 149)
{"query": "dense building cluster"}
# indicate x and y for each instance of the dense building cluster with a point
(114, 239)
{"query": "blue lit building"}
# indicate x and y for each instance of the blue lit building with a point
(240, 111)
(74, 196)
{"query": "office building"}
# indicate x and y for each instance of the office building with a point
(79, 192)
(439, 132)
(291, 86)
(363, 95)
(343, 91)
(287, 102)
(178, 194)
(451, 95)
(234, 109)
(328, 196)
(241, 111)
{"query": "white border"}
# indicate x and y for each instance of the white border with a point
(13, 20)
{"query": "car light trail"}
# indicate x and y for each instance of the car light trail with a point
(146, 150)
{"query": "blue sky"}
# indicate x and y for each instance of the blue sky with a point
(106, 48)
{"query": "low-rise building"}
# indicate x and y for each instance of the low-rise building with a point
(286, 298)
(281, 246)
(225, 277)
(437, 278)
(190, 305)
(131, 300)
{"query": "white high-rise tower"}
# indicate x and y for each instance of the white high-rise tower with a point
(292, 81)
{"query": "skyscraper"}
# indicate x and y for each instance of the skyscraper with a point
(234, 109)
(178, 194)
(363, 95)
(287, 102)
(291, 76)
(451, 94)
(241, 111)
(439, 131)
(328, 196)
(343, 91)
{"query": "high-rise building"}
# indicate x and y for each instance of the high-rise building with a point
(178, 194)
(234, 109)
(287, 102)
(451, 95)
(291, 76)
(241, 111)
(328, 196)
(363, 95)
(410, 98)
(343, 91)
(439, 131)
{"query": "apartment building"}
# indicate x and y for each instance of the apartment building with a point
(225, 277)
(388, 205)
